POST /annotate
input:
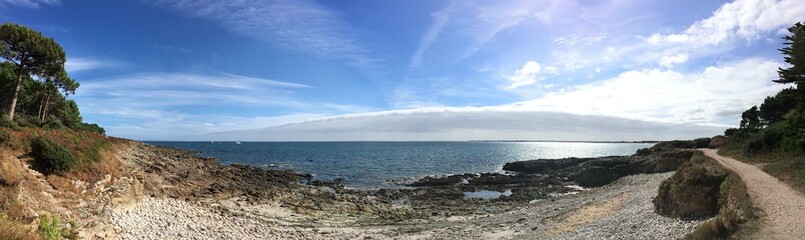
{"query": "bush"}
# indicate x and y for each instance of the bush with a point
(764, 141)
(51, 229)
(8, 123)
(51, 157)
(701, 142)
(90, 127)
(53, 122)
(25, 121)
(5, 137)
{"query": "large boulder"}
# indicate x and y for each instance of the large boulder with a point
(596, 177)
(693, 191)
(659, 162)
(543, 165)
(717, 142)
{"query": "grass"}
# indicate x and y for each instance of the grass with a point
(789, 169)
(13, 230)
(10, 172)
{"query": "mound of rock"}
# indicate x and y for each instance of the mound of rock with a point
(693, 191)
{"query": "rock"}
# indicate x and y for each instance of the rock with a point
(718, 142)
(543, 165)
(693, 191)
(596, 177)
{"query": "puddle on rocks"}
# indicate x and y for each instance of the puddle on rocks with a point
(486, 195)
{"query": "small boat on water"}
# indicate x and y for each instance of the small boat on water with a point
(237, 142)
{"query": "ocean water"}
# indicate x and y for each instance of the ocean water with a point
(375, 164)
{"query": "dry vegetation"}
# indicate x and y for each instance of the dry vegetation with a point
(27, 195)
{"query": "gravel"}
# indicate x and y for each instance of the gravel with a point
(636, 219)
(176, 219)
(632, 218)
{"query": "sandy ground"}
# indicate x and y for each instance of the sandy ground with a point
(783, 207)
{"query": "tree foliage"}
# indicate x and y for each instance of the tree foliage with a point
(32, 53)
(779, 123)
(795, 55)
(34, 84)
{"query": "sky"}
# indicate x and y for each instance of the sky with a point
(305, 70)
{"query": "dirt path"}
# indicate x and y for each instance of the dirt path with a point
(783, 206)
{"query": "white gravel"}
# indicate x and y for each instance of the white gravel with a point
(633, 219)
(176, 219)
(636, 219)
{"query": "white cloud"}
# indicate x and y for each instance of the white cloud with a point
(670, 61)
(435, 124)
(32, 3)
(715, 93)
(526, 75)
(743, 18)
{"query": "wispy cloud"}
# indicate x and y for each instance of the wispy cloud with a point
(440, 19)
(301, 25)
(31, 3)
(172, 89)
(166, 105)
(83, 64)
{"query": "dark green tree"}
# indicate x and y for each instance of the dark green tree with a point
(795, 55)
(32, 53)
(750, 119)
(774, 107)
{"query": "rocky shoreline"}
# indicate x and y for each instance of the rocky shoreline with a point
(189, 197)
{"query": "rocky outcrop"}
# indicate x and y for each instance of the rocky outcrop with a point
(718, 142)
(594, 172)
(693, 191)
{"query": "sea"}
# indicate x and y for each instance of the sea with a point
(386, 164)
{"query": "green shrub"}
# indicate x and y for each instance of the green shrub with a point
(26, 121)
(53, 122)
(8, 123)
(50, 228)
(90, 127)
(5, 137)
(51, 157)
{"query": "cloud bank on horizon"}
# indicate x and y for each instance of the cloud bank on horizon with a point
(416, 70)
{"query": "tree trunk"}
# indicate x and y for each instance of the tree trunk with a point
(45, 111)
(16, 95)
(17, 90)
(41, 107)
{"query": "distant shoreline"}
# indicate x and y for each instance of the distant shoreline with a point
(559, 141)
(541, 141)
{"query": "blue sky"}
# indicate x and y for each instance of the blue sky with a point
(381, 70)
